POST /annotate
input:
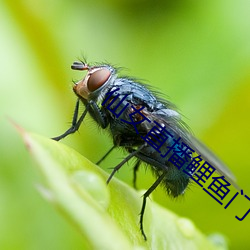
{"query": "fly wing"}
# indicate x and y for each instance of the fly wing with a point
(211, 158)
(171, 120)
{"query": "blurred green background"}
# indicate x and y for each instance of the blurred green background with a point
(195, 52)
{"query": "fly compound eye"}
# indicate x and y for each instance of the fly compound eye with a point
(97, 79)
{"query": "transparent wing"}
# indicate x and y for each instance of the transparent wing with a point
(171, 119)
(211, 158)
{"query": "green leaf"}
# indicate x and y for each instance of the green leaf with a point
(107, 215)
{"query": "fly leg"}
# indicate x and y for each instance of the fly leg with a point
(145, 196)
(96, 112)
(75, 124)
(90, 107)
(135, 169)
(132, 154)
(105, 155)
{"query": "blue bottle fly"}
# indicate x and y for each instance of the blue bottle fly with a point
(148, 127)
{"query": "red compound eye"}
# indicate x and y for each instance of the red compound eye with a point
(97, 79)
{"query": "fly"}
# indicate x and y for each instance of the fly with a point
(148, 127)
